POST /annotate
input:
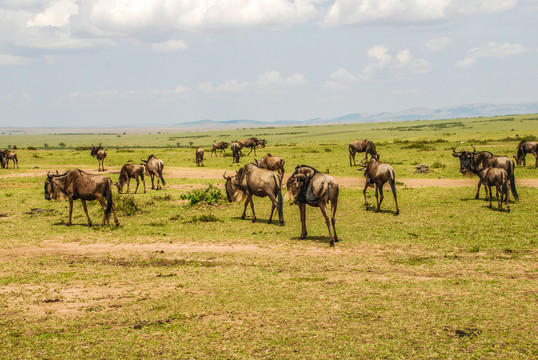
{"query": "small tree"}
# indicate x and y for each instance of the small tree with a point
(61, 144)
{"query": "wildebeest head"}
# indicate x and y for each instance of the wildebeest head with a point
(234, 193)
(294, 185)
(466, 159)
(52, 192)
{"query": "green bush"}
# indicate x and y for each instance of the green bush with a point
(210, 195)
(127, 204)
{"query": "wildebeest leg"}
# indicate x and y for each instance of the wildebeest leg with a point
(364, 193)
(499, 199)
(488, 189)
(152, 185)
(137, 183)
(536, 158)
(252, 207)
(378, 194)
(507, 197)
(478, 190)
(302, 211)
(273, 206)
(103, 205)
(143, 182)
(334, 204)
(129, 184)
(86, 211)
(352, 156)
(249, 198)
(70, 210)
(322, 207)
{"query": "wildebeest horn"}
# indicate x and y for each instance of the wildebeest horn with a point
(474, 150)
(143, 160)
(48, 174)
(454, 149)
(224, 176)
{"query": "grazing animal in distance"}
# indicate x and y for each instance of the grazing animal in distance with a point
(199, 156)
(365, 146)
(100, 153)
(497, 177)
(77, 184)
(525, 147)
(128, 172)
(273, 163)
(474, 163)
(308, 186)
(252, 143)
(251, 181)
(154, 167)
(7, 155)
(378, 173)
(219, 146)
(236, 151)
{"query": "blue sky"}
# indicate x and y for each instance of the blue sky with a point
(139, 62)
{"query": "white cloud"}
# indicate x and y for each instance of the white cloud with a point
(233, 86)
(354, 12)
(6, 60)
(170, 46)
(206, 87)
(491, 50)
(57, 14)
(438, 44)
(273, 78)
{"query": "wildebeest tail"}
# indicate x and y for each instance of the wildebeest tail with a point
(280, 203)
(281, 172)
(513, 180)
(161, 174)
(108, 191)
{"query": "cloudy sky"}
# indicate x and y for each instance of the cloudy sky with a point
(148, 62)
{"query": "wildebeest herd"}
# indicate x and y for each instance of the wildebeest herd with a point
(264, 177)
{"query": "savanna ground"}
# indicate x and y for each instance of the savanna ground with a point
(447, 278)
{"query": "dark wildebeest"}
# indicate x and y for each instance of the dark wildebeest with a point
(378, 173)
(7, 155)
(365, 146)
(308, 186)
(497, 177)
(251, 181)
(100, 153)
(154, 167)
(199, 156)
(236, 151)
(273, 163)
(76, 184)
(475, 163)
(252, 143)
(219, 146)
(523, 149)
(128, 172)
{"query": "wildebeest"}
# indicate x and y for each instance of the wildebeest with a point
(253, 143)
(154, 167)
(251, 181)
(7, 155)
(129, 171)
(219, 146)
(378, 173)
(199, 156)
(475, 163)
(76, 184)
(273, 163)
(236, 151)
(365, 146)
(497, 177)
(525, 147)
(308, 186)
(100, 153)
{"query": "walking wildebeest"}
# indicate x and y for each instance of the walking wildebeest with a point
(154, 167)
(252, 143)
(129, 171)
(76, 184)
(308, 186)
(199, 156)
(475, 163)
(7, 155)
(365, 146)
(525, 147)
(251, 181)
(274, 163)
(378, 173)
(100, 153)
(497, 177)
(236, 151)
(219, 146)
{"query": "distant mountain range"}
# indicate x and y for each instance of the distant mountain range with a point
(463, 111)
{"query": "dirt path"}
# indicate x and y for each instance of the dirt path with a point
(215, 174)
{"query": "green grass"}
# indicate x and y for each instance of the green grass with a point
(447, 278)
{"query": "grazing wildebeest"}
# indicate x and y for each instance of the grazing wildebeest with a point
(154, 167)
(219, 146)
(129, 171)
(199, 156)
(378, 173)
(497, 177)
(365, 146)
(100, 153)
(525, 147)
(236, 151)
(253, 143)
(273, 163)
(474, 163)
(308, 186)
(7, 155)
(251, 181)
(76, 184)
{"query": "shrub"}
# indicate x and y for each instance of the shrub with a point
(210, 195)
(31, 148)
(127, 204)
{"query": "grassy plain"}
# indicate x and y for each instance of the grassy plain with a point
(447, 278)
